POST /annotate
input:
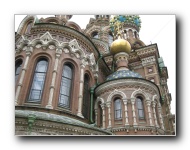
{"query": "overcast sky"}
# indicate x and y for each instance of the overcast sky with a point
(160, 29)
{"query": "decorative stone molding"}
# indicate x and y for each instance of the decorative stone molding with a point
(71, 47)
(65, 31)
(115, 92)
(148, 60)
(119, 84)
(21, 43)
(139, 91)
(99, 99)
(51, 124)
(103, 47)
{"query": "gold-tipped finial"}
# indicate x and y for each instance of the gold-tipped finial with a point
(120, 45)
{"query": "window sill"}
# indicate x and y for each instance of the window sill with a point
(32, 104)
(63, 109)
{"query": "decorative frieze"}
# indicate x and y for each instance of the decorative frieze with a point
(126, 84)
(148, 60)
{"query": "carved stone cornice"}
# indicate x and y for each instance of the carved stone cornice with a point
(67, 123)
(66, 30)
(146, 51)
(71, 47)
(126, 84)
(138, 128)
(103, 45)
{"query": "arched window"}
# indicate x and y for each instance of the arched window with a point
(28, 28)
(110, 38)
(136, 35)
(140, 108)
(86, 96)
(66, 84)
(17, 69)
(118, 108)
(95, 35)
(38, 81)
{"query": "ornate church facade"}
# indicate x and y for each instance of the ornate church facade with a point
(101, 80)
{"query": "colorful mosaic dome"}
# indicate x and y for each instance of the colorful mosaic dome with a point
(123, 74)
(133, 20)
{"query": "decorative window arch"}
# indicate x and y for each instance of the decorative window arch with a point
(86, 96)
(38, 81)
(110, 38)
(136, 36)
(130, 33)
(66, 86)
(18, 67)
(117, 108)
(95, 35)
(140, 107)
(97, 106)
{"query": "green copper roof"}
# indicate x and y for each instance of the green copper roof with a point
(57, 118)
(123, 74)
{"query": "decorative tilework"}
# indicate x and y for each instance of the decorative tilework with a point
(123, 73)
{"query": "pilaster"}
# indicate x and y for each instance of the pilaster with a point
(29, 51)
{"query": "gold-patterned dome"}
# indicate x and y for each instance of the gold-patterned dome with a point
(120, 45)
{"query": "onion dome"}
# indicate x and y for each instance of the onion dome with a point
(120, 45)
(123, 74)
(125, 20)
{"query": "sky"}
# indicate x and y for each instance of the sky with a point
(160, 29)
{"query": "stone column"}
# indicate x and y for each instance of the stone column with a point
(160, 116)
(127, 33)
(29, 51)
(96, 116)
(148, 102)
(80, 91)
(103, 116)
(133, 111)
(126, 112)
(154, 113)
(133, 33)
(52, 87)
(108, 104)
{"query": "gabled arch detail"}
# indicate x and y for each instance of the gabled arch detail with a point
(155, 98)
(99, 99)
(116, 92)
(139, 91)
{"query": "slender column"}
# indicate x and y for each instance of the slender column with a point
(80, 91)
(96, 116)
(127, 33)
(109, 114)
(154, 113)
(126, 112)
(149, 112)
(52, 87)
(133, 110)
(160, 116)
(28, 54)
(133, 33)
(103, 116)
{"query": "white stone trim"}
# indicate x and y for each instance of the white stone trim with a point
(115, 92)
